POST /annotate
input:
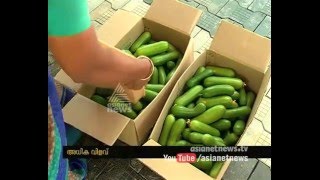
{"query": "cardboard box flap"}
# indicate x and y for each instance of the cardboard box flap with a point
(90, 118)
(242, 45)
(64, 79)
(117, 27)
(174, 14)
(171, 169)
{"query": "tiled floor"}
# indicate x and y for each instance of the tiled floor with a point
(254, 15)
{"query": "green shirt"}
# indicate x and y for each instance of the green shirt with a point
(67, 17)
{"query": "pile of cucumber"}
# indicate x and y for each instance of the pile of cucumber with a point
(165, 57)
(211, 111)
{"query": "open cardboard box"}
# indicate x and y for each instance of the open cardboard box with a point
(249, 54)
(165, 21)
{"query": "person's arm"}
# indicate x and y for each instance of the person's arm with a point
(74, 45)
(85, 60)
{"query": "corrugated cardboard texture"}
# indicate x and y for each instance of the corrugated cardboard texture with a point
(174, 14)
(242, 45)
(164, 33)
(129, 134)
(260, 95)
(94, 119)
(118, 26)
(172, 169)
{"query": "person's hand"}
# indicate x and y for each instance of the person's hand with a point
(148, 69)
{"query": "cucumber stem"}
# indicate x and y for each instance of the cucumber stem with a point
(188, 121)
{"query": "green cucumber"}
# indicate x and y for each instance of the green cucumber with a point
(203, 128)
(212, 114)
(144, 38)
(218, 90)
(171, 65)
(220, 71)
(171, 73)
(155, 87)
(242, 97)
(129, 112)
(162, 75)
(195, 80)
(189, 96)
(233, 105)
(222, 124)
(185, 133)
(176, 131)
(214, 80)
(239, 127)
(122, 107)
(171, 48)
(195, 137)
(162, 59)
(149, 95)
(144, 104)
(210, 140)
(137, 106)
(100, 100)
(152, 49)
(230, 139)
(199, 70)
(192, 144)
(155, 76)
(216, 169)
(182, 143)
(226, 101)
(184, 112)
(179, 59)
(237, 112)
(202, 164)
(128, 52)
(167, 126)
(235, 95)
(250, 98)
(191, 105)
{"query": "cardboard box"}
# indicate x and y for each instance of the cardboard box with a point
(247, 53)
(165, 22)
(172, 170)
